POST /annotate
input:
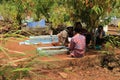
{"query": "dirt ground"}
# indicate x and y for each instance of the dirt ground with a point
(57, 67)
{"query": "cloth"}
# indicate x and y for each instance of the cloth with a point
(86, 34)
(97, 33)
(63, 36)
(77, 45)
(100, 37)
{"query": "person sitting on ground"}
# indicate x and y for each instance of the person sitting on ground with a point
(100, 34)
(84, 32)
(77, 43)
(63, 35)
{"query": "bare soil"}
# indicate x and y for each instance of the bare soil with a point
(58, 67)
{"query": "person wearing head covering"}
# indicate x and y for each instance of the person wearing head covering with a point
(63, 35)
(77, 43)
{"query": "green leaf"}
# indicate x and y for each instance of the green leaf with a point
(22, 69)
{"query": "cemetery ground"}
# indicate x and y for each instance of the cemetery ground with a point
(25, 64)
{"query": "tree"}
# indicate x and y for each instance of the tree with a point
(115, 10)
(90, 11)
(43, 7)
(24, 8)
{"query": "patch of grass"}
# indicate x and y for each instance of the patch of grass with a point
(30, 51)
(17, 55)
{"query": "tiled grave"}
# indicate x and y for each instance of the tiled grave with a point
(41, 39)
(45, 51)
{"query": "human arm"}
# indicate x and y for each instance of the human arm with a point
(72, 45)
(62, 37)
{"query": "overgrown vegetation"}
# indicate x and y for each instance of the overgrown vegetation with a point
(59, 12)
(112, 42)
(110, 61)
(56, 12)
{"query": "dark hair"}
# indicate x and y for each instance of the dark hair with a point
(78, 24)
(77, 27)
(100, 27)
(70, 27)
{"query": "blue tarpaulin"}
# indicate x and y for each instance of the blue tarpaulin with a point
(40, 23)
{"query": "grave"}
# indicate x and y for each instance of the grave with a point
(40, 39)
(48, 51)
(46, 39)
